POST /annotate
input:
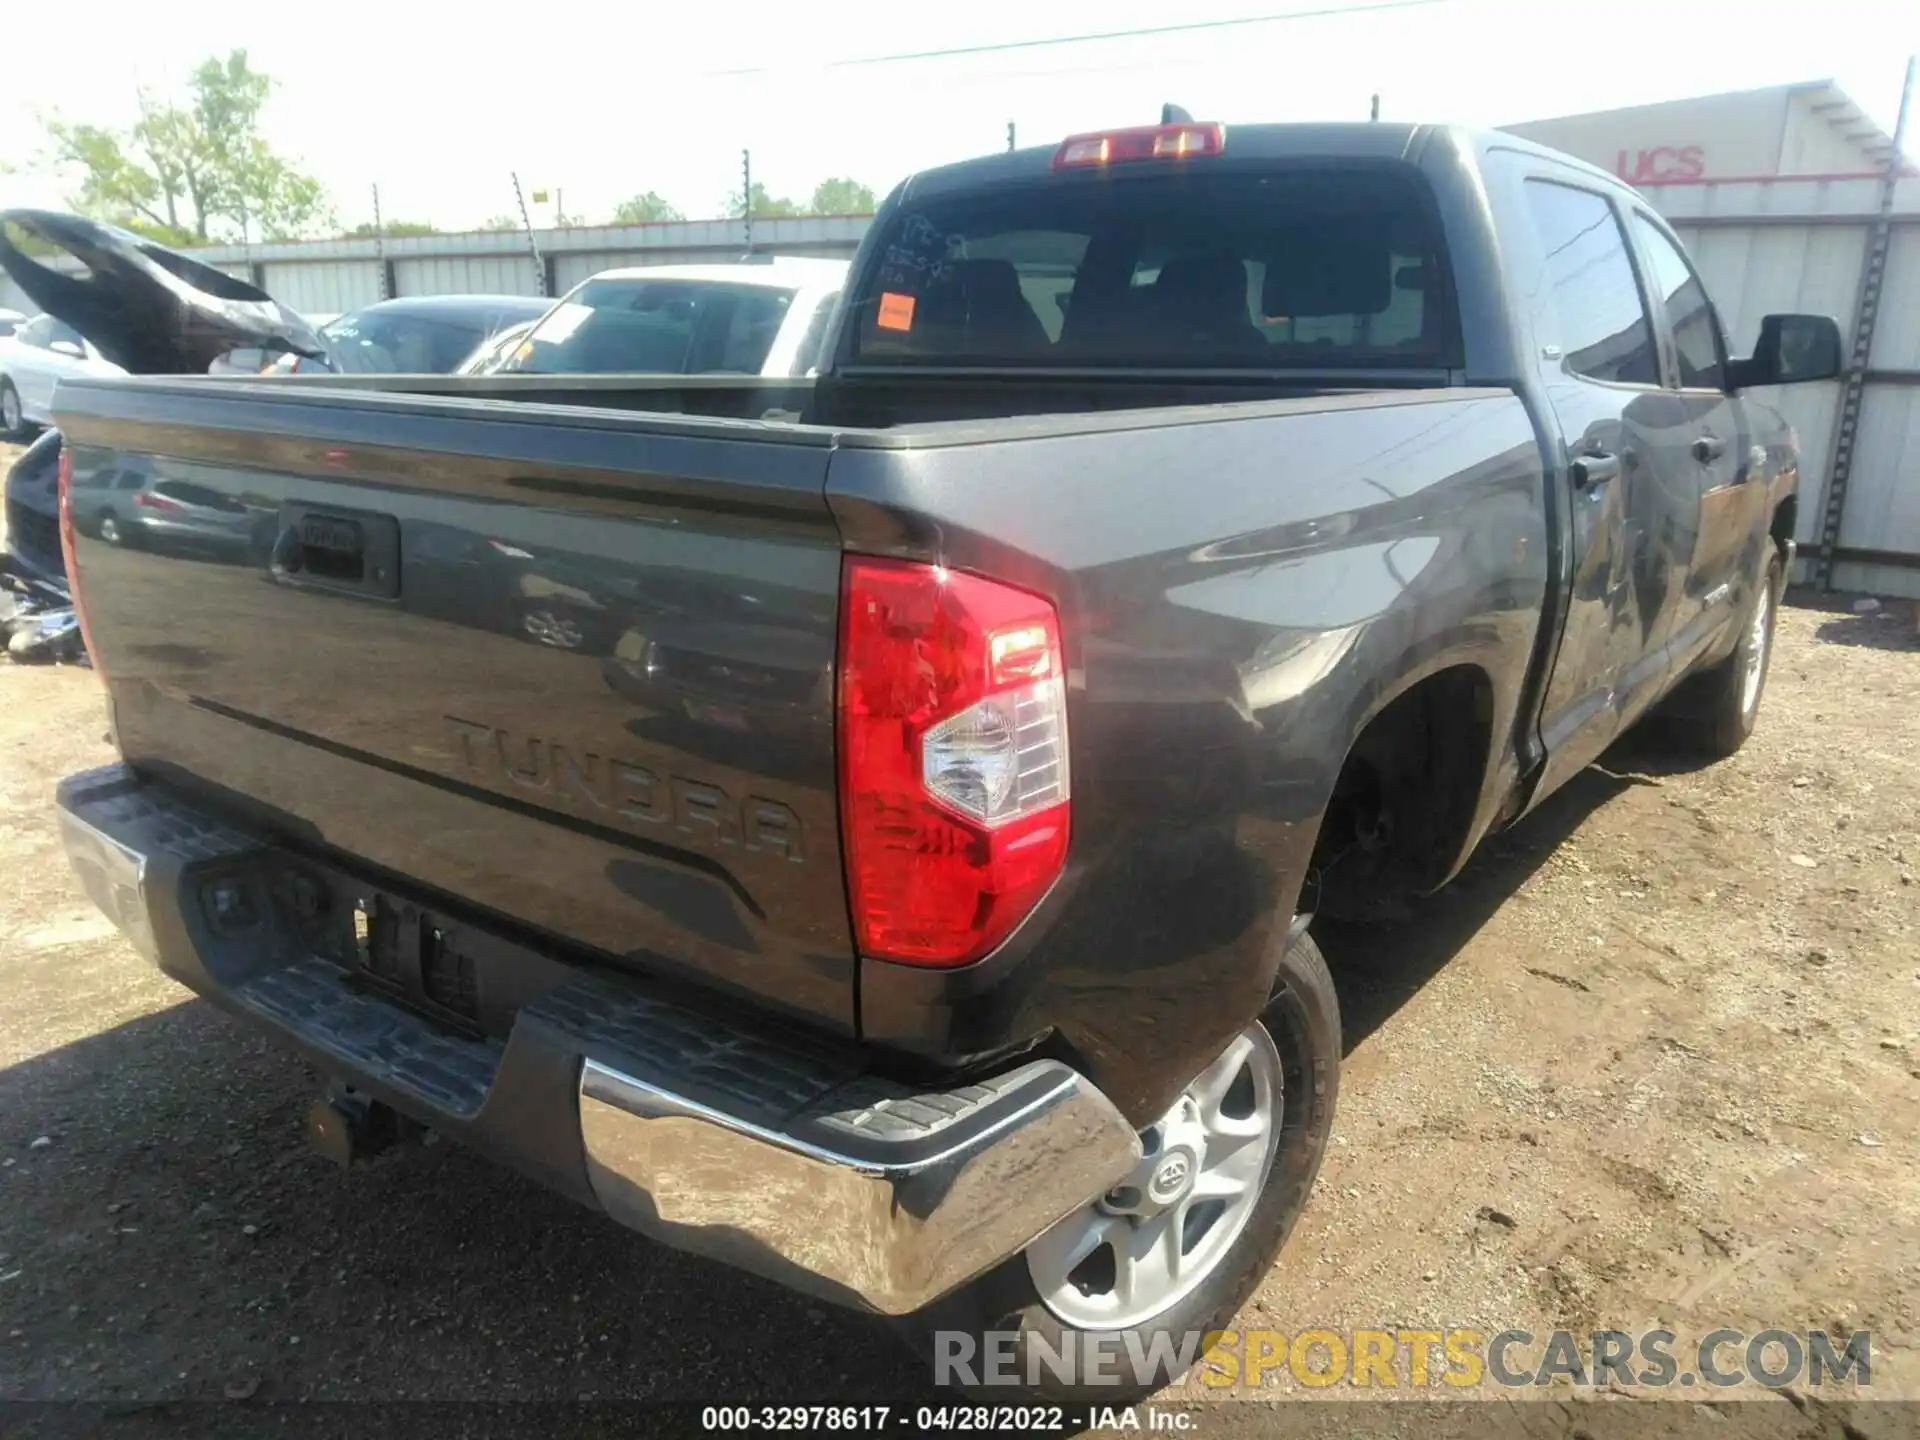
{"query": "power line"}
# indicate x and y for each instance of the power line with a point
(1189, 27)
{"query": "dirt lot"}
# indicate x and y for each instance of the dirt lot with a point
(1654, 1061)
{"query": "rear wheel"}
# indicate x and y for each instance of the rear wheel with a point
(1714, 712)
(13, 420)
(1175, 1248)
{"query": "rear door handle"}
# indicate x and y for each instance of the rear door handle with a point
(1591, 471)
(1708, 448)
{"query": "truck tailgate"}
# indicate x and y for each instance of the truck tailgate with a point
(570, 669)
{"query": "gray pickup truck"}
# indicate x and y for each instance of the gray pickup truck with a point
(867, 829)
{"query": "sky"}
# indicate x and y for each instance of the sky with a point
(439, 104)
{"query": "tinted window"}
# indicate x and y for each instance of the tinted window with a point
(1696, 334)
(62, 331)
(664, 326)
(1309, 269)
(37, 331)
(1603, 328)
(752, 323)
(390, 344)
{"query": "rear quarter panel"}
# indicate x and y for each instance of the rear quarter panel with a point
(1240, 589)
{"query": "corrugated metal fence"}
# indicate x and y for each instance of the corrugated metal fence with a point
(1762, 246)
(328, 276)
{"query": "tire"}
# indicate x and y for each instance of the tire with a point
(1714, 712)
(13, 420)
(111, 531)
(1303, 1025)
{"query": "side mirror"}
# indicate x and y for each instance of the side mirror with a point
(68, 349)
(1791, 348)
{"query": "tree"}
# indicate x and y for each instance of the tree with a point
(195, 172)
(765, 206)
(645, 209)
(392, 229)
(502, 222)
(841, 196)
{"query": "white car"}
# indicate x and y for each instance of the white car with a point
(757, 317)
(32, 361)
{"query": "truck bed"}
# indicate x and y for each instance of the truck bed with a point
(591, 705)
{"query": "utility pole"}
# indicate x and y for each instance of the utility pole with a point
(380, 246)
(1873, 270)
(1010, 135)
(533, 245)
(746, 194)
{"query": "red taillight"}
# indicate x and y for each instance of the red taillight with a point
(953, 758)
(72, 563)
(1144, 142)
(147, 500)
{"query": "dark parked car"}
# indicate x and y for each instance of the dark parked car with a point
(416, 335)
(1191, 533)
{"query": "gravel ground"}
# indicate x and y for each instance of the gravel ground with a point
(1653, 1061)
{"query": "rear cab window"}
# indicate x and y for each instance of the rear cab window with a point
(1280, 267)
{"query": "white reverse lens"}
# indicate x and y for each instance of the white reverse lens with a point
(1002, 757)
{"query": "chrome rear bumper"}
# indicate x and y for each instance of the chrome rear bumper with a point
(894, 1202)
(777, 1155)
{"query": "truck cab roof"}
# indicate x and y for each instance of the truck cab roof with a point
(1345, 140)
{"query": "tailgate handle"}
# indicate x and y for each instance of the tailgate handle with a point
(339, 550)
(326, 549)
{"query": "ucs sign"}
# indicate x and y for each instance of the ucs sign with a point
(1664, 162)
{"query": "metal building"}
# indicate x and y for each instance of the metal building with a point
(334, 275)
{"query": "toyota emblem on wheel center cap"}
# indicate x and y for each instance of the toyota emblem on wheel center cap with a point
(1171, 1178)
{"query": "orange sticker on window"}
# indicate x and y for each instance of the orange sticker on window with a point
(896, 311)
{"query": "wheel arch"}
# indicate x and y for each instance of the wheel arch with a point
(1411, 797)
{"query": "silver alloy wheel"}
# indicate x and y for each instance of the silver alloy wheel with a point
(1163, 1229)
(556, 630)
(1758, 639)
(9, 409)
(110, 530)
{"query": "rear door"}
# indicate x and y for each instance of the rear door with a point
(1600, 365)
(562, 670)
(1718, 488)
